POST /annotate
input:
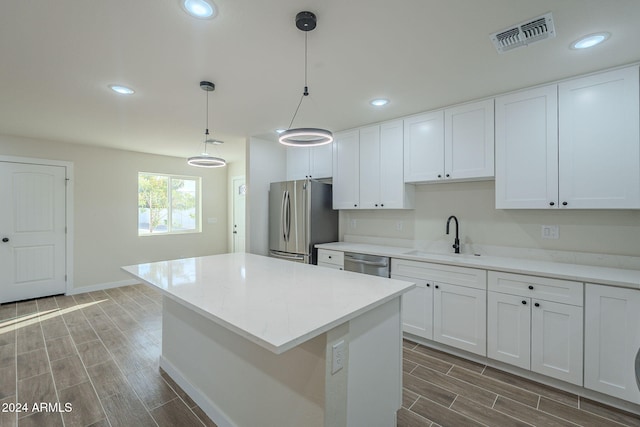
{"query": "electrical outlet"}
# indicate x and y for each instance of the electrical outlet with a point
(399, 225)
(338, 357)
(550, 232)
(353, 223)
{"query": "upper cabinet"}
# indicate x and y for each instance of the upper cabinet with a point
(599, 141)
(452, 144)
(346, 174)
(381, 164)
(312, 162)
(368, 169)
(527, 149)
(573, 145)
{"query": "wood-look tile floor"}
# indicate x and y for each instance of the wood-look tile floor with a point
(442, 389)
(99, 352)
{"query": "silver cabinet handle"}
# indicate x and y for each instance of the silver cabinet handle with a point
(638, 368)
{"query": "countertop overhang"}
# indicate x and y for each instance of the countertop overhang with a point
(274, 303)
(577, 272)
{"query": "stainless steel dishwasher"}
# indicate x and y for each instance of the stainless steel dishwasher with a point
(367, 264)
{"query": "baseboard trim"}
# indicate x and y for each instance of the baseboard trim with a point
(209, 408)
(102, 286)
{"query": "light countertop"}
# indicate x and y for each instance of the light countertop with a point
(275, 303)
(578, 272)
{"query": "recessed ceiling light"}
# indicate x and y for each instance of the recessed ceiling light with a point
(122, 90)
(201, 9)
(280, 130)
(379, 102)
(590, 40)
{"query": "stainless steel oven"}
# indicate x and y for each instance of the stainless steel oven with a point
(367, 264)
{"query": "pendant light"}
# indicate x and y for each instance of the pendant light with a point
(305, 137)
(205, 160)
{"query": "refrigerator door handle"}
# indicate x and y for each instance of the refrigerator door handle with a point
(297, 257)
(288, 216)
(282, 217)
(638, 369)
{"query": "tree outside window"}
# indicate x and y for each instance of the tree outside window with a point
(168, 204)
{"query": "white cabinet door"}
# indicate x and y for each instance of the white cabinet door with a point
(370, 167)
(527, 149)
(321, 161)
(424, 147)
(460, 317)
(297, 163)
(346, 173)
(509, 329)
(599, 154)
(417, 308)
(612, 341)
(469, 141)
(556, 340)
(394, 193)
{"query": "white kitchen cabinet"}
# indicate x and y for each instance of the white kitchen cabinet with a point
(527, 149)
(509, 329)
(570, 146)
(469, 141)
(346, 172)
(417, 307)
(311, 162)
(331, 259)
(599, 133)
(453, 298)
(459, 317)
(536, 323)
(556, 340)
(424, 147)
(612, 341)
(382, 183)
(452, 144)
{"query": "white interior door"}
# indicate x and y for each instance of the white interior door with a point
(239, 203)
(32, 231)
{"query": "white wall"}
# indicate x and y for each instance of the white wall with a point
(105, 208)
(615, 232)
(267, 163)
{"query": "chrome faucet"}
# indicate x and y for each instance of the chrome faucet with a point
(456, 242)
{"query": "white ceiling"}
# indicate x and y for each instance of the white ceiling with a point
(57, 58)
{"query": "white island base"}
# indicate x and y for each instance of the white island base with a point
(239, 383)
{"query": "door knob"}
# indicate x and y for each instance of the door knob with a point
(5, 239)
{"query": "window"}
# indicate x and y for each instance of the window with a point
(168, 204)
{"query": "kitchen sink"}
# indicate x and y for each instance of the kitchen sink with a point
(423, 254)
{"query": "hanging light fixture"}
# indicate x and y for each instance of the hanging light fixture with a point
(305, 137)
(206, 160)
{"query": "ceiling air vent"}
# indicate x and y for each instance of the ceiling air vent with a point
(524, 34)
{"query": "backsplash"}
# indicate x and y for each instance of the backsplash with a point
(585, 236)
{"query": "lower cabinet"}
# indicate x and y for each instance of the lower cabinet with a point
(331, 259)
(612, 341)
(528, 329)
(447, 306)
(459, 317)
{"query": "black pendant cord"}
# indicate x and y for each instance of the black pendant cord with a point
(206, 131)
(306, 88)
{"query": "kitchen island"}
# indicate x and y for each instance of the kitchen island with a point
(261, 341)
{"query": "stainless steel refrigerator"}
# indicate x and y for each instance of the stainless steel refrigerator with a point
(300, 216)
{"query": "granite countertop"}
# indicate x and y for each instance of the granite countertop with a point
(582, 273)
(276, 304)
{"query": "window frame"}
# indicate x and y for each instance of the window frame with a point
(198, 204)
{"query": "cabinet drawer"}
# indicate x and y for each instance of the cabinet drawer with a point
(327, 265)
(462, 276)
(327, 256)
(555, 290)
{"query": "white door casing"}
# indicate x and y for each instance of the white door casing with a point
(33, 220)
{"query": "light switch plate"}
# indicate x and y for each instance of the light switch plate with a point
(338, 357)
